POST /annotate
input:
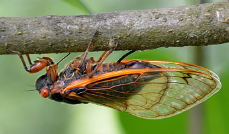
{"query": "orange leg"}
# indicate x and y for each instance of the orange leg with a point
(21, 57)
(30, 62)
(87, 50)
(102, 56)
(88, 67)
(102, 60)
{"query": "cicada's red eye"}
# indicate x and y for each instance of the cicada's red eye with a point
(45, 93)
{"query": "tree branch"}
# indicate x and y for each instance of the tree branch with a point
(196, 25)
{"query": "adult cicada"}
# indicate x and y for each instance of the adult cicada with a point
(144, 88)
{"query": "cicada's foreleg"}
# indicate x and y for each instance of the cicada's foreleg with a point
(38, 64)
(52, 70)
(21, 57)
(28, 57)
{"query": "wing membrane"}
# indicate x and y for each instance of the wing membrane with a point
(159, 93)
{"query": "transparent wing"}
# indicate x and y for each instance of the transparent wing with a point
(159, 93)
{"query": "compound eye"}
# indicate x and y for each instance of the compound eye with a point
(45, 93)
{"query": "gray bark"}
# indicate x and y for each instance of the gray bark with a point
(197, 25)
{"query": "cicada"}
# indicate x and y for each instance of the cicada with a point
(144, 88)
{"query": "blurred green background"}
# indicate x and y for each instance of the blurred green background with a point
(26, 112)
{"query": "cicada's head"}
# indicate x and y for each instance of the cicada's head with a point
(47, 88)
(52, 91)
(42, 87)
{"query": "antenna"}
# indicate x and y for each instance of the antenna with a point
(28, 90)
(63, 58)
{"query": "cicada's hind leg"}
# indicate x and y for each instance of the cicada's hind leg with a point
(103, 57)
(101, 60)
(125, 55)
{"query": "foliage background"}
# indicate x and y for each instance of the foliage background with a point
(25, 112)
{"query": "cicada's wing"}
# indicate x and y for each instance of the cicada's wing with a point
(155, 93)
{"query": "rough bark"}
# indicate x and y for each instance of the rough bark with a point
(196, 25)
